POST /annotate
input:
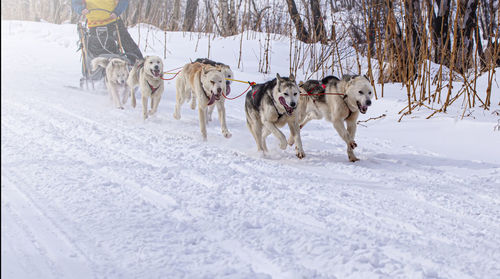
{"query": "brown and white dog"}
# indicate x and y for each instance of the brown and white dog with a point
(206, 83)
(344, 100)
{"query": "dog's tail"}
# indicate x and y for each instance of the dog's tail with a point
(99, 62)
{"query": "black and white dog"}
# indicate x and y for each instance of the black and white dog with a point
(271, 105)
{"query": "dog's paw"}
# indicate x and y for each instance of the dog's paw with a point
(291, 141)
(300, 153)
(120, 107)
(226, 134)
(353, 158)
(353, 144)
(177, 116)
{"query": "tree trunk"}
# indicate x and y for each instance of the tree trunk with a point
(440, 30)
(190, 15)
(176, 14)
(302, 33)
(319, 26)
(414, 24)
(467, 23)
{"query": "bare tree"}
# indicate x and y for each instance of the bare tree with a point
(467, 16)
(319, 26)
(440, 13)
(190, 15)
(302, 33)
(176, 14)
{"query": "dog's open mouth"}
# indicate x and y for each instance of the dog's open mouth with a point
(361, 108)
(213, 98)
(156, 73)
(288, 109)
(228, 89)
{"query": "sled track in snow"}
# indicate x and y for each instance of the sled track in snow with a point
(89, 191)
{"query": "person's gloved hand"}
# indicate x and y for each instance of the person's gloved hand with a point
(85, 11)
(113, 16)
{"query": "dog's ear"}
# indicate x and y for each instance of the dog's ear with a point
(278, 79)
(291, 78)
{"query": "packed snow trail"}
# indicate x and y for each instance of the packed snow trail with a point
(89, 191)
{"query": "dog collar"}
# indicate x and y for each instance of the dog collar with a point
(153, 89)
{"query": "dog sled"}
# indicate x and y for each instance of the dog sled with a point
(101, 41)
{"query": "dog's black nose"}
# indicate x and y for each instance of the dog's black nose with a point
(292, 104)
(368, 102)
(227, 82)
(219, 90)
(157, 67)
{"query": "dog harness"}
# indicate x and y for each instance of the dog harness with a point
(153, 89)
(274, 105)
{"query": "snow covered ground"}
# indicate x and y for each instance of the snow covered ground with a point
(89, 191)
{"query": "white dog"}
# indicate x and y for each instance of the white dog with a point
(343, 101)
(116, 75)
(148, 75)
(207, 84)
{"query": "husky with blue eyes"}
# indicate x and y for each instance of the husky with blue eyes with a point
(337, 101)
(271, 105)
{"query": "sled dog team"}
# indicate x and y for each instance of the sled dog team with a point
(268, 106)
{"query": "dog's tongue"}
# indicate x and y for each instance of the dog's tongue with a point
(156, 73)
(363, 109)
(212, 100)
(228, 89)
(289, 110)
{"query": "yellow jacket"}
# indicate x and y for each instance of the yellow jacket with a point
(98, 17)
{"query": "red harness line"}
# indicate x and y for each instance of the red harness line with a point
(169, 73)
(233, 98)
(172, 77)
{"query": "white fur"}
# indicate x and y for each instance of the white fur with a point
(143, 74)
(204, 81)
(116, 76)
(340, 108)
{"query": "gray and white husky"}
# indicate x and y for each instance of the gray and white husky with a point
(116, 77)
(271, 105)
(343, 101)
(228, 73)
